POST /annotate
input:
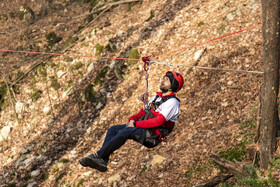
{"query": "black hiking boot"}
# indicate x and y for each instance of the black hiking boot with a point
(94, 162)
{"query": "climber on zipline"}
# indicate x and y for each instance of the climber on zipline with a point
(149, 127)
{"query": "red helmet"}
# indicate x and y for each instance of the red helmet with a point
(176, 79)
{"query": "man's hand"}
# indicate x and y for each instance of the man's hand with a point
(130, 123)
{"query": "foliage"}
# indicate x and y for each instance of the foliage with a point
(197, 170)
(81, 181)
(246, 132)
(60, 176)
(238, 152)
(235, 153)
(200, 23)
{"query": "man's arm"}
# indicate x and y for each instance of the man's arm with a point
(150, 123)
(137, 116)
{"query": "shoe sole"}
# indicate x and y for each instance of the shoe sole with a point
(82, 163)
(90, 163)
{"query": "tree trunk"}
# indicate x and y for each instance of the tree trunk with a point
(271, 51)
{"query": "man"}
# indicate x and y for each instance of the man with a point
(149, 127)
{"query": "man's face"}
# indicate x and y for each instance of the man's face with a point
(165, 84)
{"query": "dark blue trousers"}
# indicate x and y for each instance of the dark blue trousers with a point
(116, 136)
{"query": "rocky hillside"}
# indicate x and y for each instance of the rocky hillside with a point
(61, 110)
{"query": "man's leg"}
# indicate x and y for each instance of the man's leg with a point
(117, 140)
(111, 133)
(116, 136)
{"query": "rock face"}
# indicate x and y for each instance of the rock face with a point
(4, 133)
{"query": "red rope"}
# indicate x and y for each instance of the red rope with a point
(73, 55)
(86, 56)
(207, 41)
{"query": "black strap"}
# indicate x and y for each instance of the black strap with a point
(155, 104)
(164, 131)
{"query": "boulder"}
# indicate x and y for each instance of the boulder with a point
(26, 14)
(157, 159)
(35, 173)
(114, 178)
(33, 184)
(4, 133)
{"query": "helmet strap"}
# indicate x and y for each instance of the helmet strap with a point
(164, 90)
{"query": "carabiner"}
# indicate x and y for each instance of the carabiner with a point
(146, 62)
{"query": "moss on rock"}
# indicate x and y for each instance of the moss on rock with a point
(78, 65)
(98, 49)
(35, 94)
(134, 54)
(90, 93)
(69, 41)
(152, 15)
(52, 38)
(41, 70)
(55, 85)
(111, 47)
(99, 78)
(26, 14)
(3, 92)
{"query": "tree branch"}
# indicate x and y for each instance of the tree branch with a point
(215, 181)
(105, 7)
(233, 168)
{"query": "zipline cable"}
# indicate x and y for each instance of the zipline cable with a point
(148, 61)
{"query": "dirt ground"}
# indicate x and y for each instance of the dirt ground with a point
(57, 129)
